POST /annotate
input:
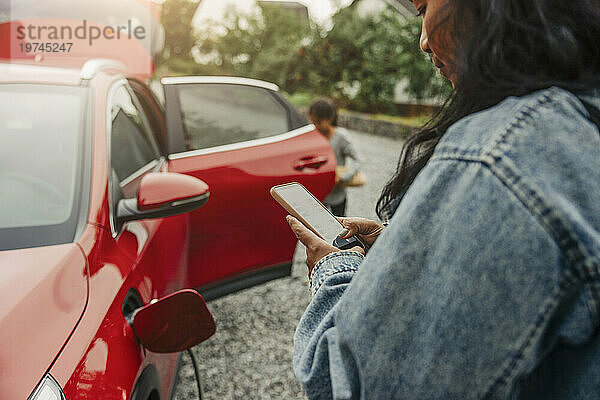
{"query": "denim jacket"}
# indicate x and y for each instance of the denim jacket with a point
(486, 283)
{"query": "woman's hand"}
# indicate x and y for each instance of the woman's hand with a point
(316, 248)
(367, 230)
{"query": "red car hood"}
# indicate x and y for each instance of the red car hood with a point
(43, 293)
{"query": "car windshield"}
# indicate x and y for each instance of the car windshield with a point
(40, 145)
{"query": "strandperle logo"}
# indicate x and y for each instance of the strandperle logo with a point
(85, 31)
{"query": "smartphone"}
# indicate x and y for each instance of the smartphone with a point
(305, 207)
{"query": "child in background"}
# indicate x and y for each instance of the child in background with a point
(323, 115)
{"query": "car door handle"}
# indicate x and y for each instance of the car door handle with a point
(309, 162)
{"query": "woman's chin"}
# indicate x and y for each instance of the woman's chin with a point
(448, 76)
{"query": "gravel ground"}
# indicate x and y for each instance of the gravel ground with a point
(250, 356)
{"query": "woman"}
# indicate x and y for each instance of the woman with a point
(486, 283)
(323, 115)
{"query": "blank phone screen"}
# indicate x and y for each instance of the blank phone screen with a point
(317, 216)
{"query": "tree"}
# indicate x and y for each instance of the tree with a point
(361, 60)
(254, 45)
(176, 18)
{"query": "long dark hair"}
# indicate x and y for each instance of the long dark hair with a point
(507, 48)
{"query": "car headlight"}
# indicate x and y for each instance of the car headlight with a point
(48, 389)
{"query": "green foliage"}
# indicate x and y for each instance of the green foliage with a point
(359, 62)
(176, 17)
(416, 67)
(259, 46)
(300, 99)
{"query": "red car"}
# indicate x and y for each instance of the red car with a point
(102, 211)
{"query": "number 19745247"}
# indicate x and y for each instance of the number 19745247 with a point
(45, 47)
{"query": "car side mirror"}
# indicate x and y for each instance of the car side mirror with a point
(163, 194)
(173, 323)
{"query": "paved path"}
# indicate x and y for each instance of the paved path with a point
(250, 356)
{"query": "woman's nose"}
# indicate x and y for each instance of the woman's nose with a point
(424, 41)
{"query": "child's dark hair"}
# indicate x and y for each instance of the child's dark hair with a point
(323, 109)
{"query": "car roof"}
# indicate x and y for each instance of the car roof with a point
(24, 71)
(177, 80)
(12, 72)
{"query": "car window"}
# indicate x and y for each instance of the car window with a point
(131, 142)
(41, 136)
(219, 114)
(154, 112)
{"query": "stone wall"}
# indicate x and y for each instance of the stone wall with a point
(366, 123)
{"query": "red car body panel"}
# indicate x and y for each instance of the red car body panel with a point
(103, 359)
(85, 358)
(242, 228)
(44, 292)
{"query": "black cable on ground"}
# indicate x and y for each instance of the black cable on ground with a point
(196, 372)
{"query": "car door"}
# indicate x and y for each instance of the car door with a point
(241, 137)
(157, 246)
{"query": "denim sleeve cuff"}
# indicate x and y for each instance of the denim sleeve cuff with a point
(331, 264)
